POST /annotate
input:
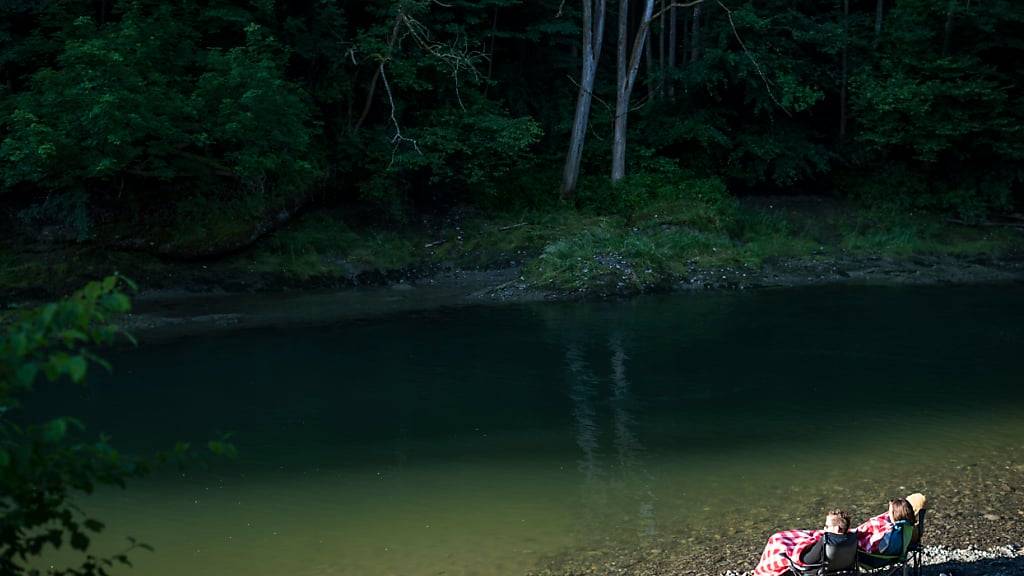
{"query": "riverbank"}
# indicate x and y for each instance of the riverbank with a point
(695, 243)
(171, 313)
(975, 527)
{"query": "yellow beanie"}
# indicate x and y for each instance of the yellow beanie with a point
(918, 501)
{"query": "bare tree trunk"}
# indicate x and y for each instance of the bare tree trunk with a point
(662, 61)
(842, 88)
(376, 75)
(948, 33)
(672, 40)
(695, 34)
(490, 55)
(879, 10)
(593, 37)
(626, 80)
(649, 63)
(684, 40)
(619, 122)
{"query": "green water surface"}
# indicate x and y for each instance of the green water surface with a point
(494, 440)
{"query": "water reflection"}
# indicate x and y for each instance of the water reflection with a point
(487, 441)
(626, 475)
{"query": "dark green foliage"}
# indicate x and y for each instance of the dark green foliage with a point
(134, 110)
(947, 122)
(43, 463)
(192, 127)
(46, 465)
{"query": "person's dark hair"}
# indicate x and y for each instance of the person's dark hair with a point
(902, 510)
(840, 518)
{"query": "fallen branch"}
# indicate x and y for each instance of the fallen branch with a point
(512, 227)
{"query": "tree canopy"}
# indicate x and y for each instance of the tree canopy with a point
(138, 112)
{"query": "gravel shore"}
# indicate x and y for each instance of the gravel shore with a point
(940, 560)
(974, 527)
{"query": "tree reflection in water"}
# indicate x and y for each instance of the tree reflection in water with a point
(626, 473)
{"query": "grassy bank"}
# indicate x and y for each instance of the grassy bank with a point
(661, 241)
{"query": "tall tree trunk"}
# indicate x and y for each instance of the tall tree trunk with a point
(490, 55)
(593, 38)
(672, 40)
(376, 75)
(879, 10)
(662, 61)
(842, 88)
(947, 35)
(649, 63)
(619, 122)
(626, 80)
(695, 34)
(684, 40)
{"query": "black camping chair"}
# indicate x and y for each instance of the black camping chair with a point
(915, 549)
(839, 557)
(889, 564)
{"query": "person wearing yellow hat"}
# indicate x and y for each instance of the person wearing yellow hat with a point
(919, 502)
(883, 533)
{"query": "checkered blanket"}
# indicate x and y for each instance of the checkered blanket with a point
(872, 531)
(790, 543)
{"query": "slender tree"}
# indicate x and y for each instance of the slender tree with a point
(844, 71)
(628, 64)
(695, 34)
(662, 59)
(649, 62)
(879, 10)
(948, 31)
(593, 38)
(672, 43)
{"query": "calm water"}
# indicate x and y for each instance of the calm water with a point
(492, 440)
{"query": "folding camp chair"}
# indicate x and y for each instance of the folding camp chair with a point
(889, 564)
(839, 557)
(915, 548)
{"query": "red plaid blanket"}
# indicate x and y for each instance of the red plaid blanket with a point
(790, 543)
(871, 532)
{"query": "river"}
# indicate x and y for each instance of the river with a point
(500, 440)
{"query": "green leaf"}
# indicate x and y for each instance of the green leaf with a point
(55, 430)
(220, 448)
(93, 525)
(77, 367)
(128, 281)
(74, 335)
(27, 374)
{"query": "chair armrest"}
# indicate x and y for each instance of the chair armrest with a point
(800, 568)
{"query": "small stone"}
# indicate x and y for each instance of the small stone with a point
(992, 517)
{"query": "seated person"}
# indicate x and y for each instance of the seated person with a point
(883, 534)
(799, 545)
(837, 532)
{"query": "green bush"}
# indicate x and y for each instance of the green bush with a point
(46, 465)
(43, 464)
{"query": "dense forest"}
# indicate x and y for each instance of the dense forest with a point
(597, 147)
(193, 128)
